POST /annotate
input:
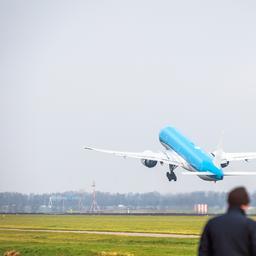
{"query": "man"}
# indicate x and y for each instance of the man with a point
(231, 234)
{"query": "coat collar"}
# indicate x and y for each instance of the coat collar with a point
(236, 210)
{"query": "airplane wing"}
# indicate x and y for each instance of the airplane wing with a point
(169, 158)
(240, 156)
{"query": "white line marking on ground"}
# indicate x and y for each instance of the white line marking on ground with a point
(103, 233)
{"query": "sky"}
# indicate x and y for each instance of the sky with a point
(111, 74)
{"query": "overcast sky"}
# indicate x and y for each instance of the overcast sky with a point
(111, 74)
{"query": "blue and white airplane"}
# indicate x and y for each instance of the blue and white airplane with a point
(181, 152)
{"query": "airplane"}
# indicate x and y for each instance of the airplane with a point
(181, 152)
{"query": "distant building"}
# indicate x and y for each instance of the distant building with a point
(201, 208)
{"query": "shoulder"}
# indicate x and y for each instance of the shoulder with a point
(213, 221)
(217, 218)
(251, 222)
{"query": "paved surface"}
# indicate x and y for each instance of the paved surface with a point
(102, 233)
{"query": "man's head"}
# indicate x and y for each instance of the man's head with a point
(238, 197)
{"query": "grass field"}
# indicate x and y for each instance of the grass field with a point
(150, 224)
(68, 244)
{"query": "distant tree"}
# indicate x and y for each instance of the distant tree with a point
(62, 202)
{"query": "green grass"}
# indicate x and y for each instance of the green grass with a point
(150, 224)
(59, 244)
(72, 244)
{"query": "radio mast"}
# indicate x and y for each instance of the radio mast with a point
(94, 207)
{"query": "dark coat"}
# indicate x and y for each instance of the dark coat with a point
(231, 234)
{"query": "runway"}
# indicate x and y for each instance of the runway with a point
(138, 234)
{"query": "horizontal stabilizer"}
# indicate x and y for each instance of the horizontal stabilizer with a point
(225, 173)
(240, 156)
(239, 173)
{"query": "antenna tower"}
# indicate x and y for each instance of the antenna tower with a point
(94, 207)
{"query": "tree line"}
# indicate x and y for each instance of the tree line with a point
(73, 201)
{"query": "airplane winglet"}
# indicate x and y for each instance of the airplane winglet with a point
(88, 148)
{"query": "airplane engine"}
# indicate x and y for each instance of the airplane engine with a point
(225, 164)
(149, 163)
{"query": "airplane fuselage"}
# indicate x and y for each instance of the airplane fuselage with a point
(196, 159)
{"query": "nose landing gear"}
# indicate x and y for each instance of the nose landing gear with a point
(171, 175)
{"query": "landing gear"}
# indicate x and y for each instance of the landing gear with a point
(171, 175)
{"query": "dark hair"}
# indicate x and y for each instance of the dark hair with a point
(238, 197)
